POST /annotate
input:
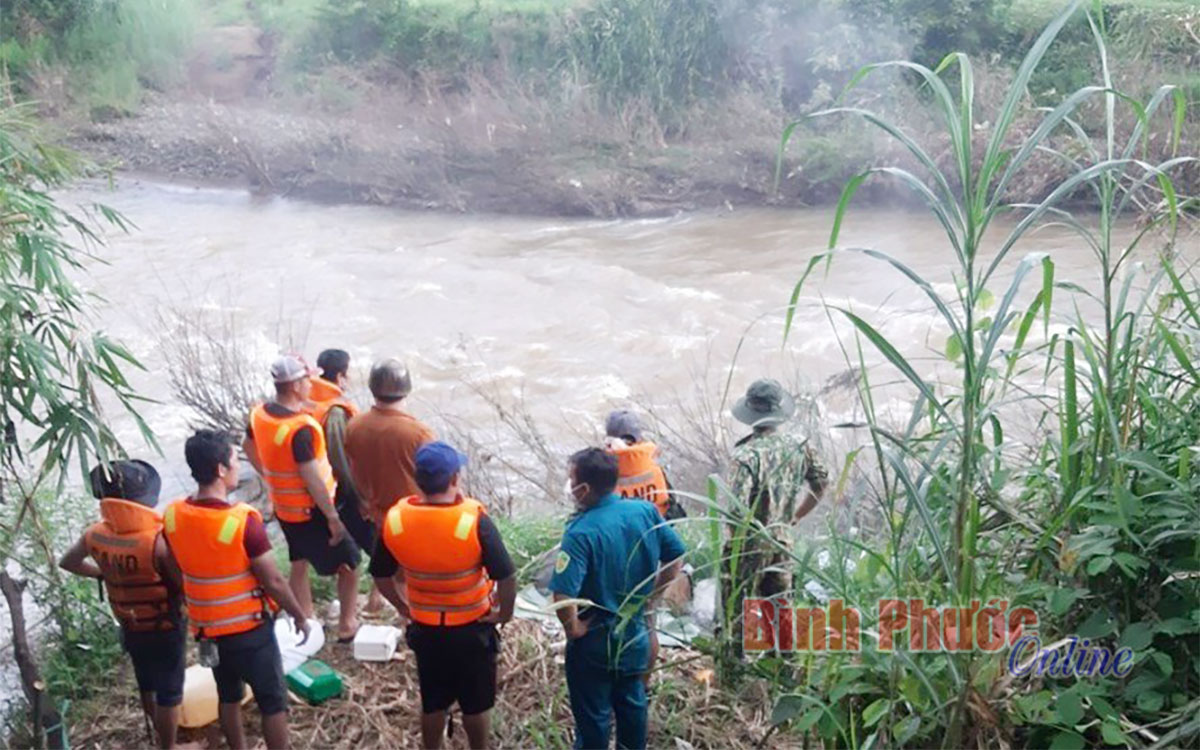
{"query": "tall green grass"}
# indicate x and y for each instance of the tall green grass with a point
(115, 50)
(1094, 526)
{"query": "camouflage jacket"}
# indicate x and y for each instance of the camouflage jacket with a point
(772, 472)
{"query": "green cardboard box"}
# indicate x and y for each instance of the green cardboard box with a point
(315, 681)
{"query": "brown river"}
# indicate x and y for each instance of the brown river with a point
(573, 316)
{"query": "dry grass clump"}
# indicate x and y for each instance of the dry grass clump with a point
(381, 704)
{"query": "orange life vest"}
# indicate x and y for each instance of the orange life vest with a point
(324, 396)
(640, 476)
(438, 548)
(273, 438)
(122, 544)
(223, 595)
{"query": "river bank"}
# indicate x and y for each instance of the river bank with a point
(455, 159)
(380, 706)
(606, 109)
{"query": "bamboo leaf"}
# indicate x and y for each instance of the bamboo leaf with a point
(1180, 116)
(897, 359)
(840, 212)
(790, 315)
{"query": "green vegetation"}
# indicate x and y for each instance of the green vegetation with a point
(665, 54)
(54, 373)
(114, 50)
(596, 87)
(1090, 521)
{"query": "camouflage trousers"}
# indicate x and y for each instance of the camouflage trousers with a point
(759, 574)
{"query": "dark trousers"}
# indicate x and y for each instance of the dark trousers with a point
(606, 678)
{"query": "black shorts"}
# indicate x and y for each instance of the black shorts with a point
(456, 664)
(158, 663)
(360, 529)
(310, 541)
(251, 658)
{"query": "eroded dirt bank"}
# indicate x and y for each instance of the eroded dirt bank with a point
(411, 145)
(415, 161)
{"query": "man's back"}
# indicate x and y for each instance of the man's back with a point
(611, 553)
(773, 471)
(381, 445)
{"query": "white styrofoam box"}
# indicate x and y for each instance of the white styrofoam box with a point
(376, 642)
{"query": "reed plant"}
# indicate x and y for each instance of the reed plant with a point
(1086, 512)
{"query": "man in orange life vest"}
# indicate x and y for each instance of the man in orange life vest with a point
(459, 582)
(330, 407)
(287, 448)
(640, 474)
(640, 477)
(232, 588)
(126, 550)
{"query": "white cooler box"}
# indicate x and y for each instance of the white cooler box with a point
(376, 642)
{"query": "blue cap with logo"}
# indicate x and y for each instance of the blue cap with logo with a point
(436, 462)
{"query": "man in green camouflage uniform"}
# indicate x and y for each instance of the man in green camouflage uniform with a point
(777, 479)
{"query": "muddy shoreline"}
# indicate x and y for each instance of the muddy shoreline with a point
(410, 165)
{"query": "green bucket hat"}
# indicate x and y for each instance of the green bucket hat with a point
(765, 403)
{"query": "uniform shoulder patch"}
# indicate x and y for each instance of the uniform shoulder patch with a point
(562, 562)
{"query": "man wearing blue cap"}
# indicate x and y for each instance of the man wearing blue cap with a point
(459, 583)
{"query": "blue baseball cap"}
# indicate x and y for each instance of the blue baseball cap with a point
(436, 462)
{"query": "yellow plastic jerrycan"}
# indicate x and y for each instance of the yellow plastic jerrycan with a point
(199, 707)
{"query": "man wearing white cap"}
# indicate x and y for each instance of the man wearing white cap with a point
(287, 447)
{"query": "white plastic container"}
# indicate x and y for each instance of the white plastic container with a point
(376, 642)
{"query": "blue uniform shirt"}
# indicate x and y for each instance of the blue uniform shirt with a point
(610, 555)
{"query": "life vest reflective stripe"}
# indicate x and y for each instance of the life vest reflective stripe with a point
(640, 476)
(273, 438)
(637, 479)
(222, 579)
(437, 546)
(222, 594)
(122, 545)
(445, 576)
(323, 396)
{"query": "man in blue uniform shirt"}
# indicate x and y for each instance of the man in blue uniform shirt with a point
(619, 555)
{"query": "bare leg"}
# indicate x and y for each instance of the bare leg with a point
(433, 728)
(231, 724)
(348, 599)
(148, 703)
(478, 728)
(301, 587)
(166, 719)
(275, 731)
(374, 602)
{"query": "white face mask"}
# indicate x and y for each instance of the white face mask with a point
(570, 489)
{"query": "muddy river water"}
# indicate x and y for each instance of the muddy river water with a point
(574, 315)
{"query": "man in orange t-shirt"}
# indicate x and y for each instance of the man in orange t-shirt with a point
(382, 443)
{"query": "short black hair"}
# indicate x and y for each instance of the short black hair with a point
(333, 362)
(207, 451)
(434, 485)
(597, 468)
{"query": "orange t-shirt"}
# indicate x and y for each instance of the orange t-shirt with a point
(382, 445)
